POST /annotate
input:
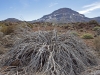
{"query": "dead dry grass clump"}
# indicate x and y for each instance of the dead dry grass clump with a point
(47, 53)
(92, 71)
(97, 44)
(7, 29)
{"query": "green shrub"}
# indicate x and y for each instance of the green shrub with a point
(96, 28)
(97, 31)
(75, 33)
(87, 36)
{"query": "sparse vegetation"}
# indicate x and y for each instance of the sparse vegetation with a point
(87, 36)
(75, 33)
(39, 50)
(97, 32)
(30, 25)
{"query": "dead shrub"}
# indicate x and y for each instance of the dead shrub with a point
(97, 43)
(48, 53)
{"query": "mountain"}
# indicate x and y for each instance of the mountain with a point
(63, 15)
(97, 19)
(12, 20)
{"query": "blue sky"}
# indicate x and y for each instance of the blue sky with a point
(35, 9)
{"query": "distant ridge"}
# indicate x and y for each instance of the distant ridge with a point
(97, 19)
(12, 20)
(62, 15)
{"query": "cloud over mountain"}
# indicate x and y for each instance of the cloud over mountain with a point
(89, 8)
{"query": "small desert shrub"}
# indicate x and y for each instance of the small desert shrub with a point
(97, 31)
(93, 22)
(81, 30)
(67, 26)
(1, 50)
(96, 28)
(74, 33)
(30, 25)
(97, 43)
(7, 29)
(87, 36)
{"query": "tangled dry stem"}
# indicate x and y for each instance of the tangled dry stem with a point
(47, 53)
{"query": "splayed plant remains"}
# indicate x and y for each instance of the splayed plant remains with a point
(47, 53)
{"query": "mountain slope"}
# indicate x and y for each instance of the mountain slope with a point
(97, 19)
(12, 20)
(63, 15)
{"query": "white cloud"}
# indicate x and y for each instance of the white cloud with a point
(52, 4)
(90, 5)
(90, 8)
